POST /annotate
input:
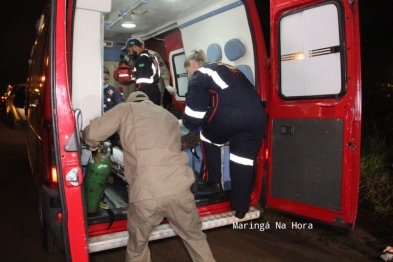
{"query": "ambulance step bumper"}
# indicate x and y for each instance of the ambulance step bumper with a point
(120, 239)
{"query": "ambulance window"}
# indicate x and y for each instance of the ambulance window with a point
(181, 76)
(37, 78)
(311, 53)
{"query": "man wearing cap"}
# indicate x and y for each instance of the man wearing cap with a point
(157, 172)
(164, 82)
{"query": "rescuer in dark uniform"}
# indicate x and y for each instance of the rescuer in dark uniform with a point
(223, 105)
(147, 71)
(112, 95)
(165, 78)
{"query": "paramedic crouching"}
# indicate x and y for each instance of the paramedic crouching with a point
(223, 104)
(157, 172)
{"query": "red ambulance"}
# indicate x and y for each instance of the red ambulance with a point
(303, 57)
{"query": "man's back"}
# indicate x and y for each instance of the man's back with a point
(157, 173)
(154, 163)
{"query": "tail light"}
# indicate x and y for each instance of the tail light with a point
(59, 218)
(53, 175)
(266, 154)
(48, 152)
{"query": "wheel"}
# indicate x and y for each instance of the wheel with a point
(47, 241)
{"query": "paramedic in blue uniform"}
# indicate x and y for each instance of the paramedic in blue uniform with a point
(223, 104)
(164, 82)
(146, 69)
(112, 95)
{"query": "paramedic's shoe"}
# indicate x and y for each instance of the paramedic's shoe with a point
(240, 214)
(210, 187)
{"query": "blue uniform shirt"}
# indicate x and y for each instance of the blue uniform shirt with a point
(112, 97)
(217, 88)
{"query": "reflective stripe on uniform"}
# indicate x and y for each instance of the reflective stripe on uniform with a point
(213, 74)
(153, 67)
(241, 160)
(208, 141)
(145, 80)
(196, 114)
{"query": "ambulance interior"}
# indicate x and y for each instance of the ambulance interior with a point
(173, 28)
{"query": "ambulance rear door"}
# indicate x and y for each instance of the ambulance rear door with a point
(313, 133)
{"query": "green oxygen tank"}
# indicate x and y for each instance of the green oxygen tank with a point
(96, 178)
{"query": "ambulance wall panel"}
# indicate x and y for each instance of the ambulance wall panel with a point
(87, 64)
(220, 27)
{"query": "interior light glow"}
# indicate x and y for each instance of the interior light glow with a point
(299, 56)
(128, 25)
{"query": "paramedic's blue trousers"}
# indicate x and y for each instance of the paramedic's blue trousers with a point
(153, 92)
(245, 138)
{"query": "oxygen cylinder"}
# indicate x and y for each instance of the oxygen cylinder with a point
(96, 178)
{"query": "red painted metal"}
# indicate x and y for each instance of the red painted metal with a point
(347, 108)
(70, 8)
(173, 41)
(119, 226)
(74, 214)
(102, 229)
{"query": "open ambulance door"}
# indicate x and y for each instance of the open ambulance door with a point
(72, 22)
(65, 136)
(176, 57)
(315, 110)
(180, 78)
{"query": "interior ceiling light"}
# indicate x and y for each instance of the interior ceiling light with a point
(128, 25)
(124, 13)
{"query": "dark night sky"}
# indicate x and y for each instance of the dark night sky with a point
(19, 17)
(376, 29)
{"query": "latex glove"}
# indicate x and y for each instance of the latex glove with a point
(171, 89)
(181, 123)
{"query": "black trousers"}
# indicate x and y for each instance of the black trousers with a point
(245, 136)
(153, 92)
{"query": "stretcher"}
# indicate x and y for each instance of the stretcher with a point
(117, 161)
(195, 160)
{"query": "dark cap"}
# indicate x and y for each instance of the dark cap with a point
(133, 41)
(137, 96)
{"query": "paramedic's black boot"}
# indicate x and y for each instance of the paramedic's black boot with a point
(240, 214)
(211, 187)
